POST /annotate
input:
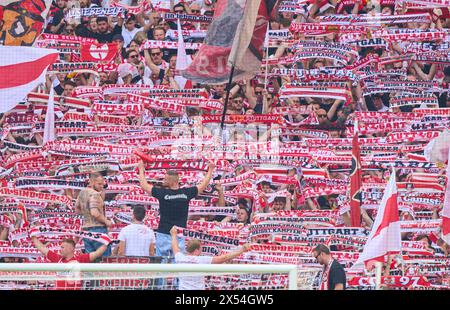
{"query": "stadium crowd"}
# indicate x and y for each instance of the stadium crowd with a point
(139, 149)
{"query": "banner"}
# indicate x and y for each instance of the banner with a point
(92, 52)
(23, 21)
(208, 237)
(248, 45)
(210, 64)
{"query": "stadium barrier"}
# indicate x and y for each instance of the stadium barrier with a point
(145, 276)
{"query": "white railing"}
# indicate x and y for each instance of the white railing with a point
(228, 269)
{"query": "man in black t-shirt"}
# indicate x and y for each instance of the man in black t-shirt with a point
(173, 205)
(333, 275)
(104, 35)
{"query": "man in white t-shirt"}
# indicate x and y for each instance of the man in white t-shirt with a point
(193, 256)
(137, 239)
(129, 30)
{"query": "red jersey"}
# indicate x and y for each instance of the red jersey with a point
(67, 284)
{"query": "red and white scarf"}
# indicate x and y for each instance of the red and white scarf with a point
(325, 276)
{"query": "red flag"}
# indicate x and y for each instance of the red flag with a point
(385, 237)
(102, 52)
(355, 184)
(236, 35)
(248, 46)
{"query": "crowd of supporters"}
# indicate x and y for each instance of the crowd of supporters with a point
(281, 177)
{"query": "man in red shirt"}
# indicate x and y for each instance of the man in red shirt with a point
(67, 255)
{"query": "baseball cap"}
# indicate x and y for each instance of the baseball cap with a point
(125, 69)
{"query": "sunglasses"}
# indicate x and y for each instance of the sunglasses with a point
(322, 116)
(134, 56)
(258, 93)
(156, 54)
(238, 101)
(195, 11)
(315, 256)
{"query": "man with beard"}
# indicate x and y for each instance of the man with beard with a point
(236, 105)
(103, 34)
(333, 275)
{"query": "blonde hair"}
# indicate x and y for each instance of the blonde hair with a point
(140, 37)
(193, 245)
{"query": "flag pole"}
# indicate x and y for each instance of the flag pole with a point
(226, 99)
(266, 43)
(378, 270)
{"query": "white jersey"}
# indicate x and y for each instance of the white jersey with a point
(129, 35)
(196, 282)
(138, 238)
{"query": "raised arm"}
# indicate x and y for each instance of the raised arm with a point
(227, 257)
(141, 20)
(39, 245)
(149, 62)
(175, 247)
(288, 205)
(221, 202)
(423, 75)
(333, 109)
(201, 187)
(142, 181)
(249, 93)
(121, 248)
(98, 253)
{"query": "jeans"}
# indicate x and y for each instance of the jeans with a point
(91, 245)
(164, 245)
(164, 249)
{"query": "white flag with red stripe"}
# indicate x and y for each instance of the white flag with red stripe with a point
(385, 237)
(445, 229)
(22, 68)
(49, 129)
(436, 151)
(183, 60)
